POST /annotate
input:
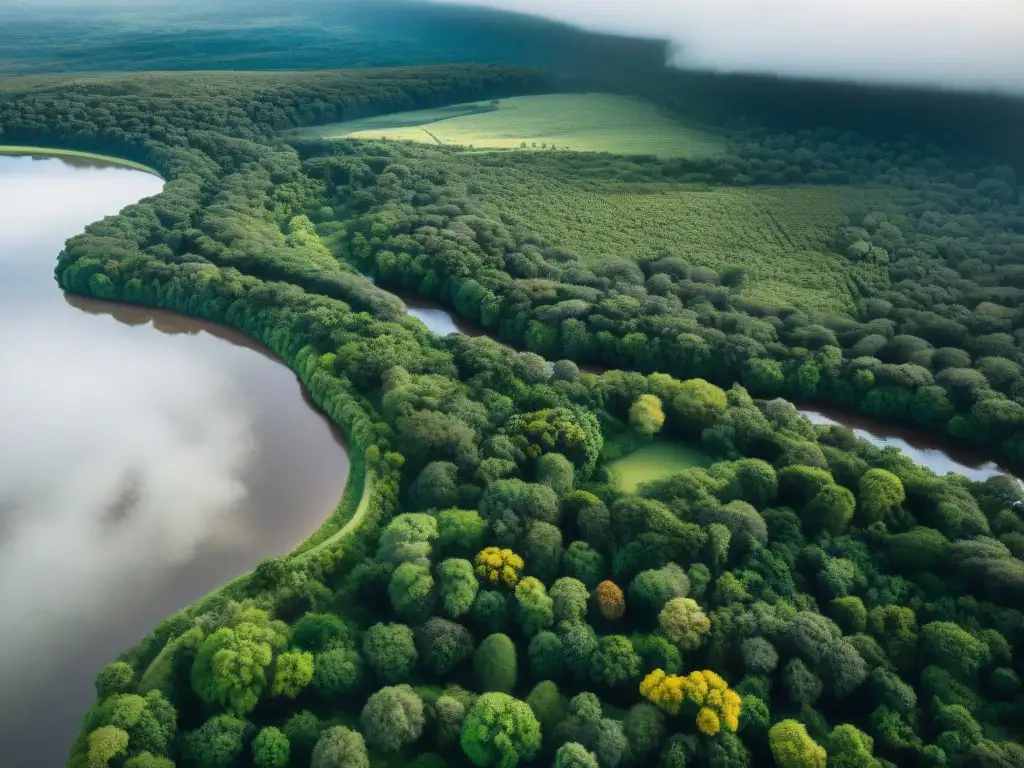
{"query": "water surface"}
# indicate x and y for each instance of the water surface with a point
(145, 459)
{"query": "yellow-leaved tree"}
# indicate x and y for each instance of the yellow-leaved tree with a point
(498, 566)
(717, 705)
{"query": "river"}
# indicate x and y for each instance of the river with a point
(145, 459)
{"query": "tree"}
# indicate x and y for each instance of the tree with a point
(390, 650)
(610, 601)
(646, 415)
(407, 539)
(579, 644)
(340, 747)
(303, 730)
(849, 747)
(449, 713)
(569, 599)
(574, 755)
(546, 657)
(294, 671)
(436, 486)
(114, 678)
(489, 611)
(411, 590)
(555, 471)
(802, 685)
(337, 672)
(684, 623)
(718, 705)
(548, 704)
(458, 586)
(792, 747)
(699, 404)
(583, 562)
(535, 606)
(148, 760)
(759, 656)
(443, 644)
(106, 743)
(393, 718)
(317, 632)
(952, 648)
(460, 531)
(651, 590)
(615, 662)
(880, 492)
(543, 549)
(500, 731)
(218, 743)
(231, 665)
(645, 728)
(498, 566)
(830, 510)
(495, 663)
(270, 749)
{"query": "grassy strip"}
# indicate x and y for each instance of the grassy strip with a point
(71, 153)
(349, 527)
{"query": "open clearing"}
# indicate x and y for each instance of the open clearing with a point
(780, 235)
(584, 122)
(654, 461)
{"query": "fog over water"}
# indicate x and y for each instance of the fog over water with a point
(969, 45)
(145, 459)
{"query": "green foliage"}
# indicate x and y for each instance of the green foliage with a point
(106, 743)
(340, 747)
(500, 731)
(793, 748)
(218, 743)
(684, 623)
(116, 677)
(535, 606)
(337, 672)
(390, 650)
(548, 704)
(495, 664)
(318, 632)
(411, 590)
(952, 648)
(880, 491)
(270, 749)
(443, 645)
(458, 586)
(569, 599)
(392, 718)
(294, 671)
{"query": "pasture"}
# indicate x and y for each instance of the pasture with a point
(654, 461)
(582, 122)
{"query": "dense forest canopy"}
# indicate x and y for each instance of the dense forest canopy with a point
(806, 600)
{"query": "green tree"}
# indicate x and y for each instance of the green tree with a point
(500, 731)
(106, 743)
(411, 590)
(880, 492)
(651, 590)
(542, 549)
(449, 713)
(293, 672)
(116, 677)
(317, 632)
(699, 404)
(546, 657)
(436, 486)
(340, 747)
(684, 623)
(569, 599)
(535, 606)
(574, 755)
(218, 743)
(270, 749)
(303, 730)
(460, 531)
(495, 663)
(615, 662)
(390, 650)
(849, 747)
(793, 748)
(407, 539)
(952, 648)
(393, 718)
(458, 586)
(337, 672)
(443, 644)
(555, 471)
(646, 415)
(548, 704)
(583, 562)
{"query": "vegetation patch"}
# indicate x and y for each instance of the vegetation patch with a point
(655, 461)
(584, 122)
(72, 155)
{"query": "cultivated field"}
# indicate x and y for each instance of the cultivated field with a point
(654, 461)
(584, 122)
(779, 234)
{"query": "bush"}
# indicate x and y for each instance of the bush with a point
(495, 664)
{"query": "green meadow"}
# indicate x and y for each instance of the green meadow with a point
(583, 122)
(654, 461)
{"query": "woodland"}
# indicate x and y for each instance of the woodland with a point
(807, 600)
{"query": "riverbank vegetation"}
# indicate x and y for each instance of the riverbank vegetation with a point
(806, 598)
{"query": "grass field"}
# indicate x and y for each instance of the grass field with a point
(779, 234)
(72, 155)
(654, 461)
(584, 122)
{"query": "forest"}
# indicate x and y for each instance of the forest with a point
(807, 600)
